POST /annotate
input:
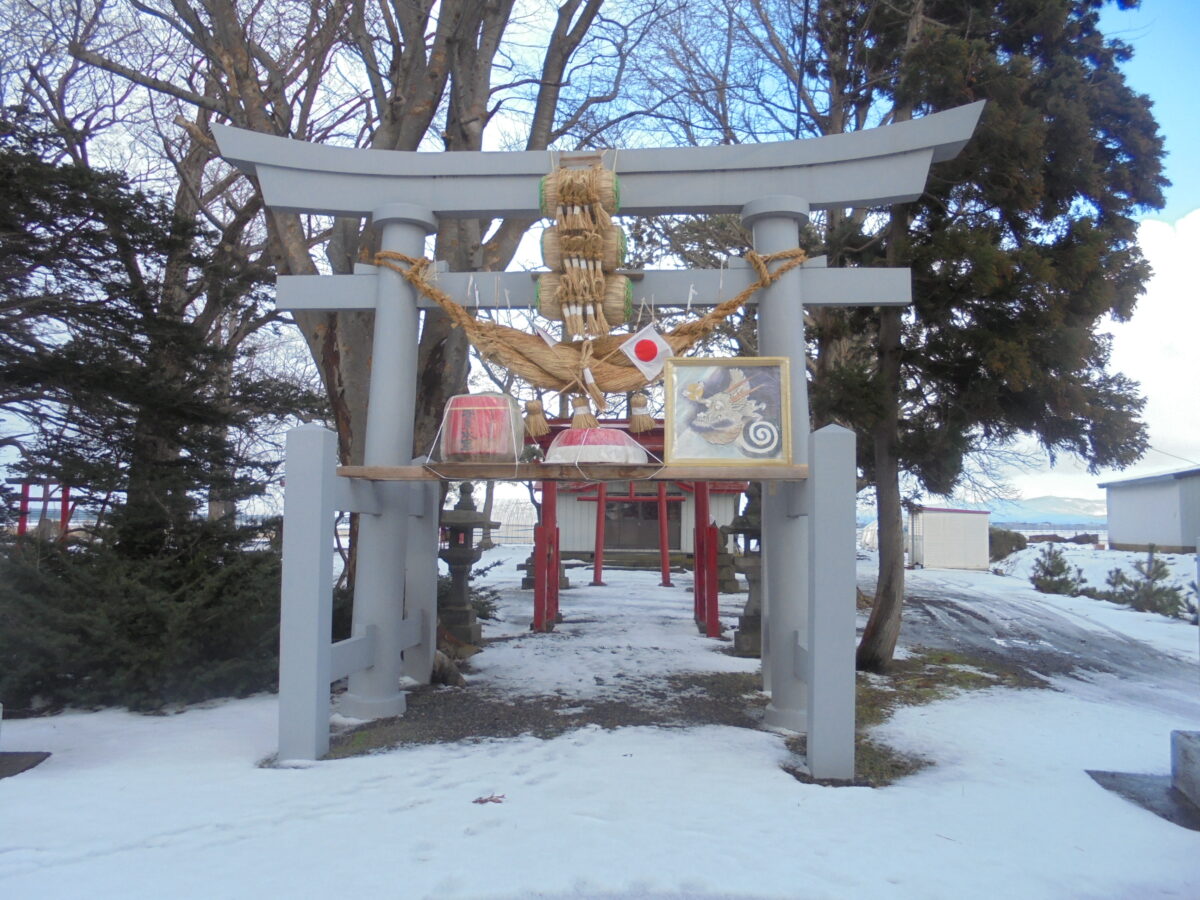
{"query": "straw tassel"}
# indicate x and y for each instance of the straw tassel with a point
(581, 414)
(535, 420)
(639, 414)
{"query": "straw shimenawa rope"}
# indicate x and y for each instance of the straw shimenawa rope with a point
(561, 368)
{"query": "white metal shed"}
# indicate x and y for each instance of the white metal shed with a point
(948, 538)
(1163, 510)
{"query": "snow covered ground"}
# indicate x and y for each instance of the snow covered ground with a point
(178, 806)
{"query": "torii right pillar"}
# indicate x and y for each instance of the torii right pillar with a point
(807, 535)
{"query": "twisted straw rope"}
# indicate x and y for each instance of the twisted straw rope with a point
(560, 368)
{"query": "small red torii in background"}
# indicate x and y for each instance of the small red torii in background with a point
(66, 507)
(547, 555)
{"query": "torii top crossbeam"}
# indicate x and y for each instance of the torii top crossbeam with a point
(863, 168)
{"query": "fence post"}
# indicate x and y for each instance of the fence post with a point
(306, 600)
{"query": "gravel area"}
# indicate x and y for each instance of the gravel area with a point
(446, 714)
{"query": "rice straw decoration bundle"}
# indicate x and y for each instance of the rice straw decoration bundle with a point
(535, 419)
(584, 246)
(581, 414)
(639, 413)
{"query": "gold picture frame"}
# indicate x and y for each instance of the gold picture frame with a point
(731, 411)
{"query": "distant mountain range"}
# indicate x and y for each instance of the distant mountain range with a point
(1034, 511)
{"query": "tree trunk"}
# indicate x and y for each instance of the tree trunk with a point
(883, 627)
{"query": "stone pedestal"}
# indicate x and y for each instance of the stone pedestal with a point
(527, 578)
(727, 582)
(747, 640)
(462, 623)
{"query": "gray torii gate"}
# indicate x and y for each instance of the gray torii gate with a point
(809, 572)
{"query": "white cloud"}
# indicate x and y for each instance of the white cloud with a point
(1159, 348)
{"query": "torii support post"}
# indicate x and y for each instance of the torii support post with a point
(383, 540)
(775, 223)
(598, 554)
(664, 535)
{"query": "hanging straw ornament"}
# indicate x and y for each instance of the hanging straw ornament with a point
(535, 419)
(581, 414)
(639, 413)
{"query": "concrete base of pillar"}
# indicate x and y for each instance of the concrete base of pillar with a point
(370, 708)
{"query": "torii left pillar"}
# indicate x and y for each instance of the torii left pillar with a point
(379, 582)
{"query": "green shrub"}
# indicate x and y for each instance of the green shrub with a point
(1003, 543)
(1148, 592)
(84, 626)
(1052, 574)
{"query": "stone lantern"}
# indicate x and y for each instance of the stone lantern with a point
(461, 552)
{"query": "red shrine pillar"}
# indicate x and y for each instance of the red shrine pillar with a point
(700, 550)
(664, 535)
(546, 561)
(65, 516)
(712, 617)
(598, 555)
(550, 505)
(23, 521)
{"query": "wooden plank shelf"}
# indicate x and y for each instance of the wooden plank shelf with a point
(580, 472)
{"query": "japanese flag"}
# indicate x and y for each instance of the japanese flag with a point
(648, 351)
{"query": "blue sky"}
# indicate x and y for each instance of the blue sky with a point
(1165, 35)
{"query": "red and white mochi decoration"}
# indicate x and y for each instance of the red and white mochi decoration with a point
(482, 428)
(596, 445)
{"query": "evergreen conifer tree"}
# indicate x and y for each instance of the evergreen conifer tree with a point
(1020, 247)
(111, 384)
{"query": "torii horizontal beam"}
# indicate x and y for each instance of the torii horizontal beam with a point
(874, 167)
(819, 286)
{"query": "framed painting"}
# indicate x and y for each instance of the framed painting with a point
(734, 411)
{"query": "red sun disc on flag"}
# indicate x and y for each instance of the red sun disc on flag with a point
(646, 350)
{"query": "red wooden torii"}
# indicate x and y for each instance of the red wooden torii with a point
(547, 555)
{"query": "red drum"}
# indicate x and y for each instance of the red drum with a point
(482, 428)
(595, 445)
